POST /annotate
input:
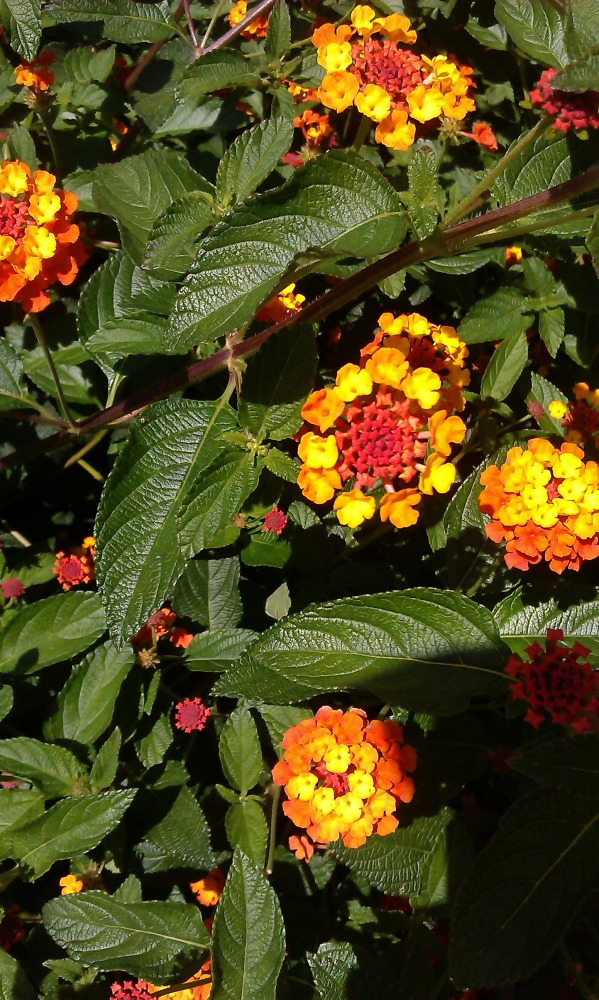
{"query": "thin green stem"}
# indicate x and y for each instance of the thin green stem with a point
(52, 142)
(483, 576)
(213, 21)
(41, 339)
(485, 185)
(272, 834)
(362, 133)
(262, 8)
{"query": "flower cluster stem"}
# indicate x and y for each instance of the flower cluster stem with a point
(41, 339)
(272, 835)
(228, 36)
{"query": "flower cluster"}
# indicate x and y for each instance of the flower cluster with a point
(257, 28)
(208, 890)
(368, 64)
(12, 928)
(344, 777)
(570, 110)
(139, 989)
(558, 683)
(36, 74)
(581, 417)
(378, 420)
(160, 625)
(12, 587)
(39, 244)
(544, 502)
(76, 566)
(277, 308)
(70, 883)
(275, 520)
(191, 714)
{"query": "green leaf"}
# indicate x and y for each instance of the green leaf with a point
(338, 204)
(140, 557)
(537, 27)
(552, 328)
(13, 393)
(49, 631)
(239, 750)
(208, 592)
(124, 20)
(71, 827)
(17, 807)
(215, 498)
(215, 71)
(264, 550)
(466, 263)
(25, 26)
(75, 383)
(278, 35)
(276, 384)
(395, 863)
(522, 624)
(249, 939)
(505, 367)
(6, 700)
(332, 967)
(83, 65)
(424, 649)
(211, 652)
(281, 464)
(592, 242)
(138, 190)
(571, 765)
(151, 940)
(152, 748)
(106, 763)
(548, 161)
(504, 313)
(579, 77)
(247, 829)
(543, 393)
(14, 984)
(53, 769)
(251, 158)
(504, 928)
(87, 701)
(169, 250)
(423, 204)
(169, 844)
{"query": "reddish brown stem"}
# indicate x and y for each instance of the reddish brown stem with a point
(148, 56)
(261, 8)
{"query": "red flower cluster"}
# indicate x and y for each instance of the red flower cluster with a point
(275, 520)
(558, 683)
(162, 623)
(78, 565)
(130, 990)
(12, 928)
(190, 714)
(570, 110)
(12, 587)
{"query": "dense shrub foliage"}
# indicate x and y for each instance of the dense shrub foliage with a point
(299, 387)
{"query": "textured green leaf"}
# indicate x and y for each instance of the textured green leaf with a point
(276, 384)
(25, 26)
(335, 204)
(124, 20)
(215, 498)
(504, 313)
(214, 71)
(180, 840)
(52, 769)
(143, 334)
(169, 250)
(548, 161)
(138, 190)
(395, 863)
(423, 649)
(239, 750)
(423, 205)
(537, 27)
(278, 35)
(18, 806)
(71, 827)
(543, 393)
(140, 556)
(6, 700)
(247, 829)
(212, 652)
(148, 939)
(249, 940)
(521, 624)
(152, 748)
(106, 763)
(579, 77)
(49, 631)
(466, 263)
(14, 984)
(208, 592)
(571, 765)
(262, 550)
(84, 65)
(282, 465)
(505, 367)
(251, 158)
(552, 327)
(524, 888)
(332, 967)
(75, 382)
(87, 701)
(12, 387)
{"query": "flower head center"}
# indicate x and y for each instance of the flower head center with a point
(380, 440)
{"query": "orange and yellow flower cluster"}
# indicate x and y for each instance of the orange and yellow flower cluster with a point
(544, 502)
(36, 74)
(39, 244)
(368, 64)
(379, 420)
(344, 777)
(287, 301)
(256, 29)
(581, 417)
